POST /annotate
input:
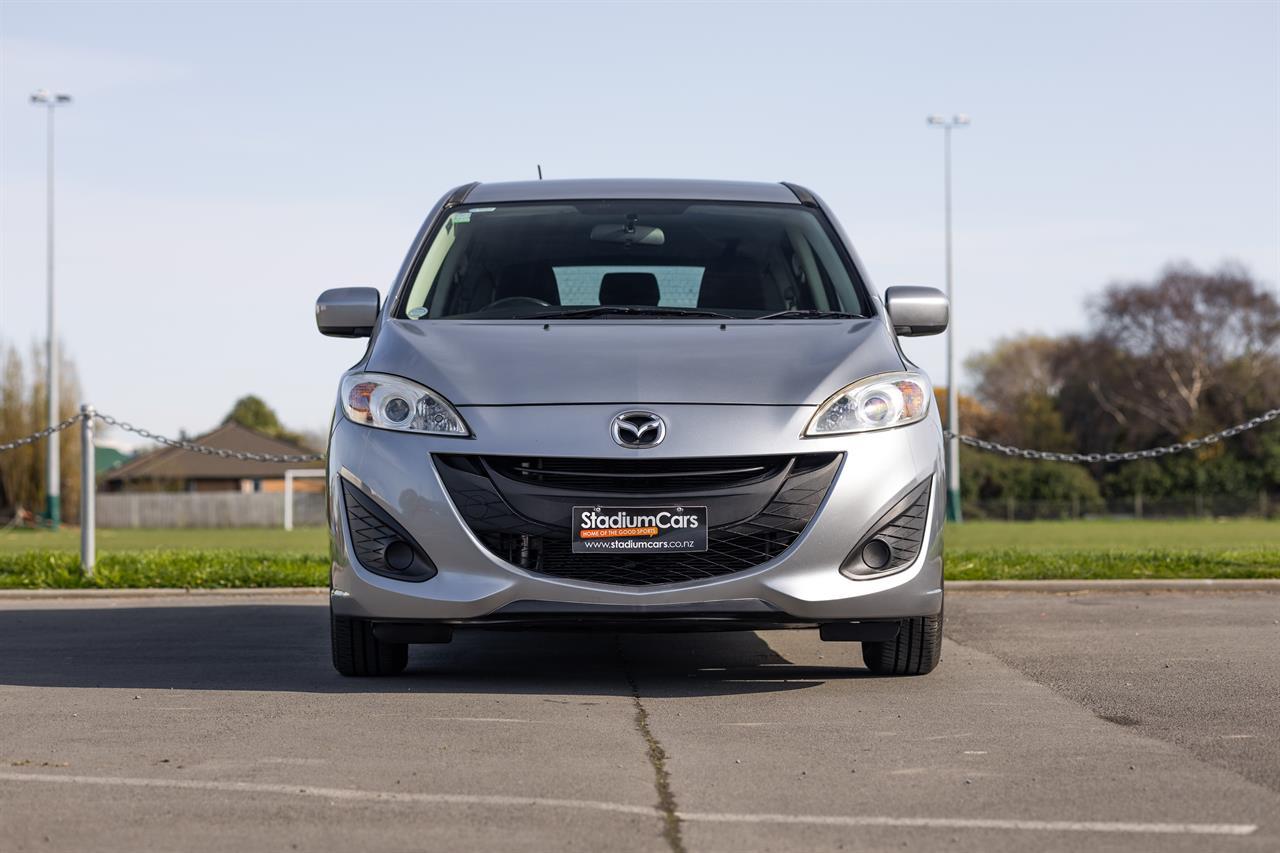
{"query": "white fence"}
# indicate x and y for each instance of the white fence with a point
(207, 509)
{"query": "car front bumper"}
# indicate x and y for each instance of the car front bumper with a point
(474, 586)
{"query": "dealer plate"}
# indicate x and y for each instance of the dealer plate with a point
(639, 529)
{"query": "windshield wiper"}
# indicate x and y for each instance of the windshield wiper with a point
(626, 310)
(809, 314)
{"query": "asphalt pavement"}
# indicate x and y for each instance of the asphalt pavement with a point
(1102, 721)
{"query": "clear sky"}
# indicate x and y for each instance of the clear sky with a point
(224, 163)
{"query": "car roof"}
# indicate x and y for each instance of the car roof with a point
(630, 188)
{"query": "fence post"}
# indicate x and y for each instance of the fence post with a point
(288, 500)
(88, 490)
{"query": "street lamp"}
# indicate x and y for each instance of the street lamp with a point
(53, 503)
(953, 397)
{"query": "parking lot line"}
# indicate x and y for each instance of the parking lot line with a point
(352, 794)
(979, 823)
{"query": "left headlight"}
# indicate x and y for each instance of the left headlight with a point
(389, 402)
(877, 402)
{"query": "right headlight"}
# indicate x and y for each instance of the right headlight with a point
(389, 402)
(877, 402)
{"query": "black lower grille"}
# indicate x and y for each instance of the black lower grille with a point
(902, 529)
(373, 533)
(757, 506)
(637, 476)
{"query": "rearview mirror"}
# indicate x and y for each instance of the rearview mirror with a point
(917, 311)
(629, 234)
(347, 312)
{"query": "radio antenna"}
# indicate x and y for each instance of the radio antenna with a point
(539, 171)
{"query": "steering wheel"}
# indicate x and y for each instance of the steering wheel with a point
(508, 301)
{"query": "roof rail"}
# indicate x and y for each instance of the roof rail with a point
(459, 195)
(805, 196)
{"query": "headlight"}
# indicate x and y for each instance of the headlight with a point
(389, 402)
(878, 402)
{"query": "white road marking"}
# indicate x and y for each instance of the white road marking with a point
(981, 823)
(484, 720)
(330, 793)
(356, 795)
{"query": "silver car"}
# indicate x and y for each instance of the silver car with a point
(634, 405)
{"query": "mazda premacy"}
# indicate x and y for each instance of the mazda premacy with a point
(634, 405)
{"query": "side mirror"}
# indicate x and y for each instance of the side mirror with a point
(917, 311)
(347, 312)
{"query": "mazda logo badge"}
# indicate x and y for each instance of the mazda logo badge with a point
(638, 429)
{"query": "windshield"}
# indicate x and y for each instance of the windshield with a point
(632, 259)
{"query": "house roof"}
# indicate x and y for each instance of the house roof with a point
(171, 463)
(106, 458)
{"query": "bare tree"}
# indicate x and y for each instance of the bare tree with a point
(1183, 350)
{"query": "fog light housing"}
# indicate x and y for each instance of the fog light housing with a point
(894, 541)
(380, 544)
(876, 554)
(398, 555)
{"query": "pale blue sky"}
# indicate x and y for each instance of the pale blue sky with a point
(224, 163)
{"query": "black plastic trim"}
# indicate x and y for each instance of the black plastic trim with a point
(803, 195)
(905, 513)
(459, 195)
(859, 632)
(372, 529)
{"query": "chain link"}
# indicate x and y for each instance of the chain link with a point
(1126, 456)
(972, 441)
(220, 452)
(36, 436)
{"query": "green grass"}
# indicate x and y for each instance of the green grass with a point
(311, 540)
(1013, 564)
(185, 569)
(982, 550)
(1117, 535)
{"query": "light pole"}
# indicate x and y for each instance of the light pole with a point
(953, 396)
(53, 503)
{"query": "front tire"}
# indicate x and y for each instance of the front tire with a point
(357, 652)
(915, 651)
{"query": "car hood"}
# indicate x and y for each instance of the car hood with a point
(788, 362)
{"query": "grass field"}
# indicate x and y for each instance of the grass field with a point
(1114, 535)
(1242, 548)
(272, 540)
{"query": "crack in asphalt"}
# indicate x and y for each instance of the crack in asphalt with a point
(671, 823)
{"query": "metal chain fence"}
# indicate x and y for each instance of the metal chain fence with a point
(36, 436)
(1125, 456)
(220, 452)
(87, 418)
(971, 441)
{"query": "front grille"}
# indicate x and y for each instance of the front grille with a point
(520, 507)
(638, 476)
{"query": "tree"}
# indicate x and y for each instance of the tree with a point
(1187, 350)
(252, 412)
(1018, 383)
(23, 411)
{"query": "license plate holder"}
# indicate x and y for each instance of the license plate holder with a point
(639, 530)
